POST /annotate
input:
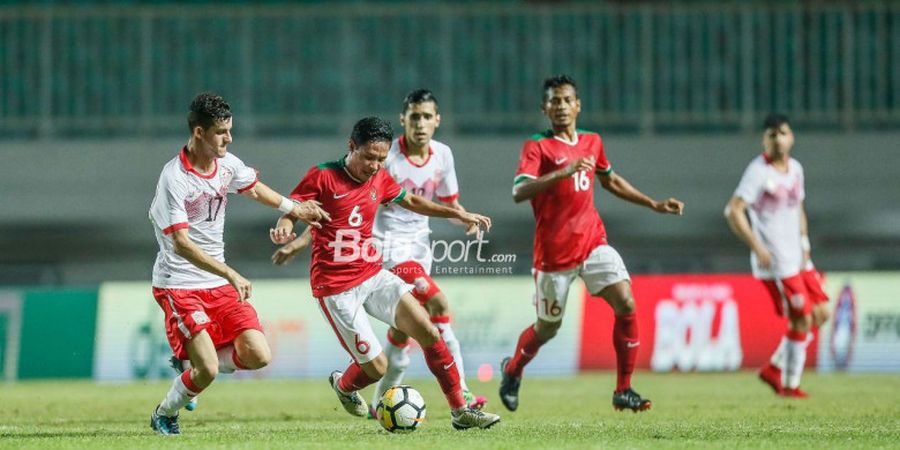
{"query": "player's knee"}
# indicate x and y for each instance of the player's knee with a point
(205, 372)
(438, 305)
(624, 305)
(801, 323)
(430, 336)
(547, 330)
(820, 316)
(258, 358)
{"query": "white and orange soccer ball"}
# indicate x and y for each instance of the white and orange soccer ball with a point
(401, 409)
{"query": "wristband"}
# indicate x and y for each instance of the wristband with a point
(286, 206)
(804, 243)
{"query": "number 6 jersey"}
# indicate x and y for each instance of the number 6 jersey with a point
(187, 199)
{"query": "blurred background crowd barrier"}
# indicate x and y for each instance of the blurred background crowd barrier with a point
(93, 99)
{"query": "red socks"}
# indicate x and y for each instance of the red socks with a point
(443, 367)
(526, 350)
(354, 379)
(626, 343)
(189, 383)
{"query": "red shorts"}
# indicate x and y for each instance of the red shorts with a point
(414, 274)
(216, 310)
(798, 293)
(813, 280)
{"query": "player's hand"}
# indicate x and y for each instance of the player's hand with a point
(472, 229)
(670, 206)
(281, 235)
(580, 164)
(241, 285)
(285, 254)
(477, 220)
(763, 258)
(311, 212)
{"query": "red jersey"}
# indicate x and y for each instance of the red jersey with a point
(344, 253)
(568, 226)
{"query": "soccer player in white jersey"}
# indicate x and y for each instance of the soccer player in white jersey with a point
(208, 318)
(771, 193)
(425, 167)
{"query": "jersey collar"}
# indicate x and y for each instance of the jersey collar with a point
(186, 163)
(343, 164)
(401, 142)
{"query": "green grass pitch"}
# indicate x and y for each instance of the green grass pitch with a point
(689, 411)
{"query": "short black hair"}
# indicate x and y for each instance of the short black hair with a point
(372, 129)
(207, 109)
(775, 121)
(557, 81)
(419, 96)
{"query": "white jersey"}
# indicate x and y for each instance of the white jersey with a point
(186, 199)
(403, 233)
(775, 202)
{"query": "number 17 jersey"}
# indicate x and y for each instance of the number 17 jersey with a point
(188, 199)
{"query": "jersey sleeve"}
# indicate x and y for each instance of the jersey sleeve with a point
(167, 211)
(309, 187)
(244, 177)
(751, 185)
(529, 162)
(602, 165)
(390, 190)
(448, 188)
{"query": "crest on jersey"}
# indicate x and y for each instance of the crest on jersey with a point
(373, 195)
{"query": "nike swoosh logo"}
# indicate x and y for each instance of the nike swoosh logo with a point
(341, 196)
(561, 160)
(632, 344)
(447, 366)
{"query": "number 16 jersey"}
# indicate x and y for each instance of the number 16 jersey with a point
(188, 199)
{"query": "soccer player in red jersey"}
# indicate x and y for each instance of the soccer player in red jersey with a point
(771, 193)
(208, 318)
(556, 173)
(348, 279)
(424, 166)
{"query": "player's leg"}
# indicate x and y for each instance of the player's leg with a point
(771, 371)
(605, 275)
(241, 342)
(799, 309)
(344, 313)
(186, 330)
(412, 319)
(812, 279)
(626, 342)
(439, 309)
(396, 351)
(551, 294)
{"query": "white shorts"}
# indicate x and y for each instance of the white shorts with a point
(603, 267)
(379, 297)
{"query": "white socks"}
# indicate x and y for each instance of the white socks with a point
(398, 361)
(794, 360)
(777, 359)
(178, 396)
(226, 359)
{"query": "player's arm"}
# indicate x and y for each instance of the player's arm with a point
(471, 228)
(736, 215)
(804, 237)
(620, 187)
(288, 251)
(426, 207)
(189, 250)
(308, 211)
(526, 189)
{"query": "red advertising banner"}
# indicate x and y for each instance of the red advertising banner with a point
(690, 322)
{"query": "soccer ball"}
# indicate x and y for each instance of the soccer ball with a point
(401, 409)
